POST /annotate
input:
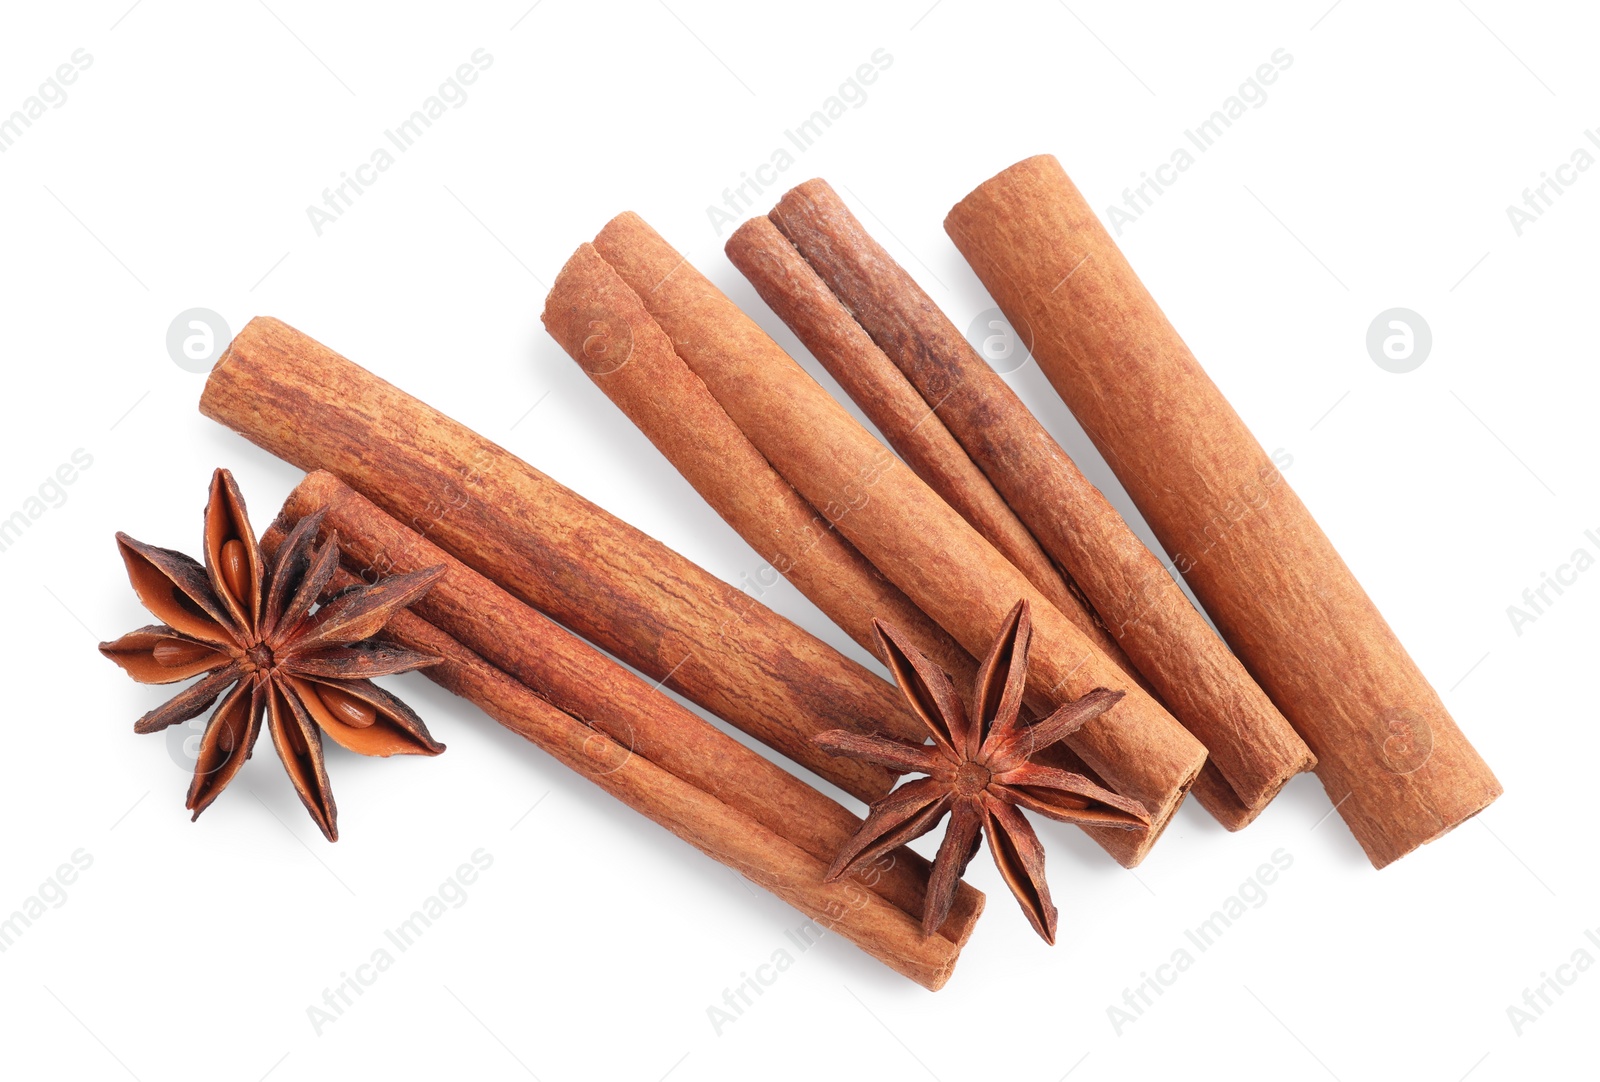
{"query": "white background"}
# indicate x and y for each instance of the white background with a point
(1376, 174)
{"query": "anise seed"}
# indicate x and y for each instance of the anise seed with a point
(296, 738)
(171, 654)
(347, 708)
(236, 571)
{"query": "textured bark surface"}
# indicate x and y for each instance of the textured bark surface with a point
(602, 323)
(674, 409)
(791, 288)
(1391, 758)
(899, 523)
(1252, 750)
(620, 710)
(616, 586)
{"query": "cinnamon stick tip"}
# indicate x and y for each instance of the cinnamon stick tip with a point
(758, 249)
(751, 233)
(816, 193)
(259, 327)
(625, 224)
(591, 312)
(254, 335)
(953, 224)
(578, 263)
(1025, 165)
(815, 190)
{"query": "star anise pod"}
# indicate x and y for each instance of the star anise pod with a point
(252, 629)
(979, 769)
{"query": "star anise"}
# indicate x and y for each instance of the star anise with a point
(250, 627)
(980, 770)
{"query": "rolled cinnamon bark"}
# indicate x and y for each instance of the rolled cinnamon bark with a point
(805, 303)
(672, 407)
(616, 586)
(870, 922)
(1392, 759)
(881, 929)
(609, 700)
(590, 311)
(894, 519)
(1252, 750)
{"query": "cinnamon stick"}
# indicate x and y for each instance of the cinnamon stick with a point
(671, 406)
(826, 327)
(635, 719)
(604, 326)
(792, 289)
(616, 586)
(883, 930)
(1253, 751)
(1393, 761)
(894, 519)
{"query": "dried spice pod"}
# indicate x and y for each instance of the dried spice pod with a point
(980, 770)
(247, 625)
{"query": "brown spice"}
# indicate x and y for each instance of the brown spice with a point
(618, 587)
(1253, 750)
(980, 770)
(1393, 761)
(901, 525)
(826, 327)
(639, 744)
(674, 409)
(246, 624)
(604, 327)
